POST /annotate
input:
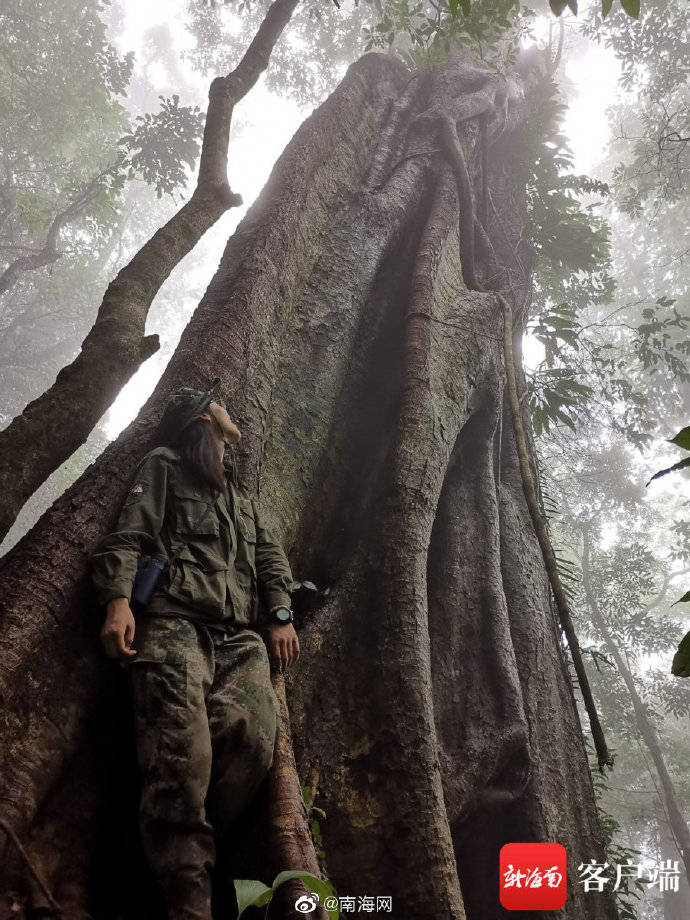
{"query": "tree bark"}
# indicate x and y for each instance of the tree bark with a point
(59, 421)
(432, 698)
(676, 820)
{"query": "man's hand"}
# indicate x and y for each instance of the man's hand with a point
(284, 644)
(117, 634)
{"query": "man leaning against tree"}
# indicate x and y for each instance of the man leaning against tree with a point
(206, 715)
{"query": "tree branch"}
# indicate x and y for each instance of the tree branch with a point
(49, 252)
(53, 426)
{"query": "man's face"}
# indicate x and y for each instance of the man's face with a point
(231, 432)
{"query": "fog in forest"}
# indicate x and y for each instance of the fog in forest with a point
(103, 109)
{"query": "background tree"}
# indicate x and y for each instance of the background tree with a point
(73, 146)
(611, 381)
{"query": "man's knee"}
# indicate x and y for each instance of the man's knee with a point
(249, 748)
(176, 790)
(245, 762)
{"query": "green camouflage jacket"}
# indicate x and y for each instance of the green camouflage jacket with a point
(224, 558)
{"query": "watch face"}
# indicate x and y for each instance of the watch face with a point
(283, 614)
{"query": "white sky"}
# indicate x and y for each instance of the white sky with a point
(592, 75)
(595, 77)
(268, 123)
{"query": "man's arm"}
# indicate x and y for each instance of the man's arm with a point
(114, 564)
(275, 583)
(272, 567)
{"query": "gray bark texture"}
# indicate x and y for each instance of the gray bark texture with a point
(432, 707)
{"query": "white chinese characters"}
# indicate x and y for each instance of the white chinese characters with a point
(532, 878)
(349, 904)
(665, 876)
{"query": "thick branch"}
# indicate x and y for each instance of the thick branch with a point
(53, 426)
(226, 91)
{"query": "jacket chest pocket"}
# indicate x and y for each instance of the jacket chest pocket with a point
(194, 515)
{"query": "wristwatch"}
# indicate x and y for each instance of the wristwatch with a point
(282, 614)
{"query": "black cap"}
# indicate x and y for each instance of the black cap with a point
(183, 407)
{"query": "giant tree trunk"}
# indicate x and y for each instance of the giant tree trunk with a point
(432, 699)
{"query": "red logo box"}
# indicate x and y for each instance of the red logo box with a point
(532, 876)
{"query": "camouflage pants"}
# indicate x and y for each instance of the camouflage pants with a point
(206, 722)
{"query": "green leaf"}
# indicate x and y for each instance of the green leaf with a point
(682, 439)
(453, 7)
(671, 469)
(317, 885)
(680, 666)
(580, 388)
(632, 8)
(251, 892)
(682, 600)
